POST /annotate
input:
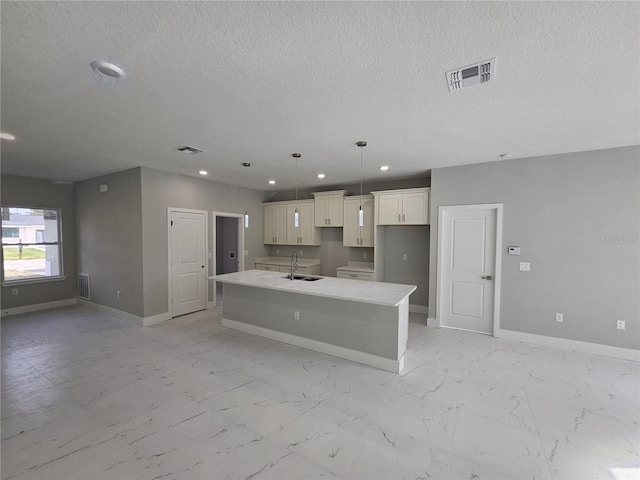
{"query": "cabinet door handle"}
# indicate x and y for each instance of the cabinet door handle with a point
(399, 220)
(403, 218)
(325, 221)
(329, 221)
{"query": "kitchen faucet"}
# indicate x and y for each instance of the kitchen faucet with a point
(294, 264)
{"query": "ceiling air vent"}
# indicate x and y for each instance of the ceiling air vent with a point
(475, 74)
(189, 149)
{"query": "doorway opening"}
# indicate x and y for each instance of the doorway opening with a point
(228, 248)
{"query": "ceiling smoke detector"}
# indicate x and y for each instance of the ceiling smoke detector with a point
(189, 149)
(470, 75)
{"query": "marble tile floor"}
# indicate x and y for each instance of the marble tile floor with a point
(88, 396)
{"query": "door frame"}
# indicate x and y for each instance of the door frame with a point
(498, 258)
(171, 210)
(240, 218)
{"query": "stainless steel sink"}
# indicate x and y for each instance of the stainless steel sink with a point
(305, 278)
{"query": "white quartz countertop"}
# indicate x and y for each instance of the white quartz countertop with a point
(286, 261)
(358, 267)
(376, 293)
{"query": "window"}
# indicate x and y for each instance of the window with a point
(31, 244)
(10, 232)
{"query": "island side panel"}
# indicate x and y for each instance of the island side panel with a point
(373, 329)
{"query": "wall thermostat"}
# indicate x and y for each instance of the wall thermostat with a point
(514, 250)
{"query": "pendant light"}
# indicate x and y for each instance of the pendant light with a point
(296, 214)
(246, 166)
(361, 144)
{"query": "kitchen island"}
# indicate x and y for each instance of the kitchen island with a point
(366, 322)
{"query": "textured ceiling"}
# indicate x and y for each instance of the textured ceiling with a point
(256, 81)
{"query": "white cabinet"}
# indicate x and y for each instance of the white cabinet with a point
(328, 208)
(306, 232)
(275, 223)
(267, 267)
(403, 207)
(353, 275)
(279, 226)
(277, 267)
(354, 235)
(313, 270)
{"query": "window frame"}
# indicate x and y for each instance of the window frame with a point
(60, 244)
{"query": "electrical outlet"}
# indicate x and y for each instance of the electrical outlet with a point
(525, 267)
(296, 315)
(620, 324)
(559, 317)
(14, 291)
(118, 294)
(277, 251)
(364, 255)
(301, 252)
(246, 252)
(404, 257)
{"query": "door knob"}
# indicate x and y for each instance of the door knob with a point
(487, 277)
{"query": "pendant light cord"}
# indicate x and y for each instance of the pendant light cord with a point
(361, 153)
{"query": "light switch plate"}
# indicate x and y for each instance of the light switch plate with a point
(525, 267)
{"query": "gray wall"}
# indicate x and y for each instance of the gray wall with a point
(109, 239)
(161, 190)
(576, 218)
(412, 240)
(33, 192)
(353, 188)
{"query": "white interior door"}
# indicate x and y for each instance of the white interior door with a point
(188, 262)
(468, 268)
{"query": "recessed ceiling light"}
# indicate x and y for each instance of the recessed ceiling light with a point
(7, 136)
(107, 69)
(384, 168)
(272, 182)
(504, 156)
(320, 175)
(203, 172)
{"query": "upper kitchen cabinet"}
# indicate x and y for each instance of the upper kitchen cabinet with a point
(329, 207)
(353, 234)
(402, 207)
(305, 232)
(275, 223)
(280, 227)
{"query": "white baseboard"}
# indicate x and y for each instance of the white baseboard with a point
(152, 320)
(38, 306)
(432, 322)
(112, 312)
(578, 346)
(141, 321)
(421, 309)
(382, 363)
(211, 305)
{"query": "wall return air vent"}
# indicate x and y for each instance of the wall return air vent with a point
(468, 76)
